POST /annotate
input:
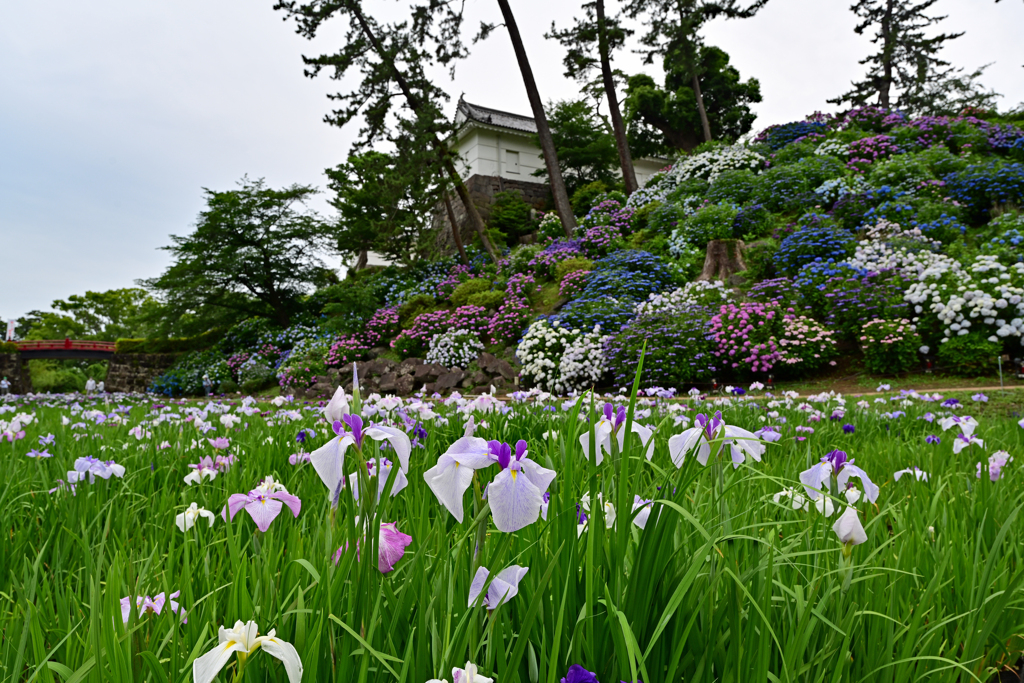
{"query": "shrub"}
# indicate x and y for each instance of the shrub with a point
(382, 327)
(179, 345)
(678, 350)
(510, 215)
(940, 161)
(228, 386)
(239, 337)
(555, 358)
(969, 355)
(817, 238)
(417, 305)
(543, 264)
(586, 196)
(347, 305)
(752, 222)
(489, 300)
(642, 216)
(780, 136)
(904, 172)
(460, 297)
(866, 151)
(572, 284)
(794, 153)
(981, 187)
(735, 187)
(519, 258)
(305, 366)
(890, 346)
(713, 222)
(9, 347)
(256, 373)
(186, 375)
(345, 350)
(760, 259)
(510, 321)
(759, 337)
(571, 265)
(782, 189)
(819, 169)
(454, 348)
(550, 227)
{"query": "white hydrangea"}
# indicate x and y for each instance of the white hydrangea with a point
(833, 147)
(709, 165)
(699, 293)
(560, 360)
(833, 190)
(986, 295)
(454, 348)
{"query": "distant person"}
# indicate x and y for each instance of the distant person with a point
(101, 388)
(208, 385)
(5, 387)
(90, 386)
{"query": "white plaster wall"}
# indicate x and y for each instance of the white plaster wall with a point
(485, 152)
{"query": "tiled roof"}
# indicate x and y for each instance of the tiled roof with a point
(493, 117)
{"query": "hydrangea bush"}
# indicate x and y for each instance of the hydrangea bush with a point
(455, 348)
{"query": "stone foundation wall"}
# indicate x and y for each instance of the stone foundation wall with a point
(16, 373)
(482, 190)
(130, 372)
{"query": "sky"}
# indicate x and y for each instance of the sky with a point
(115, 114)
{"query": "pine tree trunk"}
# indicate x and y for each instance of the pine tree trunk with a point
(456, 231)
(439, 146)
(547, 144)
(625, 157)
(704, 123)
(888, 50)
(361, 261)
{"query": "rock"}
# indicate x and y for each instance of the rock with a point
(480, 378)
(496, 366)
(408, 366)
(429, 371)
(428, 388)
(449, 380)
(376, 367)
(404, 385)
(387, 383)
(377, 351)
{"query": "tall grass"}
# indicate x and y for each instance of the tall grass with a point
(723, 584)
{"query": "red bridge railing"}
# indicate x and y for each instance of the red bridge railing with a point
(66, 345)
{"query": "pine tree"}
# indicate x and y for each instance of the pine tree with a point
(396, 99)
(597, 30)
(673, 28)
(906, 60)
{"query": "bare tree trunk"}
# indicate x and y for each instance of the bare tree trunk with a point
(547, 144)
(625, 158)
(887, 56)
(704, 123)
(456, 231)
(361, 261)
(442, 149)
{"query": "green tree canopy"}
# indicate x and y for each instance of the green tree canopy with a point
(665, 119)
(105, 316)
(255, 252)
(586, 147)
(384, 202)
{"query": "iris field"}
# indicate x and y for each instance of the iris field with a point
(772, 542)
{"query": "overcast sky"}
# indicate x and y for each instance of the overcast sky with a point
(114, 114)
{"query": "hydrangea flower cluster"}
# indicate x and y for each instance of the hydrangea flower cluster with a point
(866, 151)
(560, 250)
(890, 346)
(699, 293)
(455, 348)
(712, 163)
(558, 359)
(572, 284)
(346, 349)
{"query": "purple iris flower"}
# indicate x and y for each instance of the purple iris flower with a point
(710, 424)
(39, 454)
(950, 402)
(931, 438)
(615, 416)
(577, 674)
(849, 429)
(47, 440)
(837, 459)
(301, 436)
(355, 428)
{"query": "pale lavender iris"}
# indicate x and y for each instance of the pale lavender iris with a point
(39, 454)
(517, 493)
(92, 467)
(996, 462)
(144, 604)
(501, 589)
(262, 506)
(836, 464)
(741, 443)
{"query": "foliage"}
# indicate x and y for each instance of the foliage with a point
(677, 349)
(572, 284)
(980, 187)
(570, 266)
(185, 377)
(511, 215)
(346, 306)
(253, 253)
(817, 237)
(969, 355)
(890, 346)
(383, 201)
(666, 119)
(712, 222)
(418, 304)
(584, 145)
(489, 300)
(460, 297)
(198, 343)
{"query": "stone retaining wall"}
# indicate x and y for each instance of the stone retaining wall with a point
(384, 376)
(12, 368)
(482, 190)
(130, 372)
